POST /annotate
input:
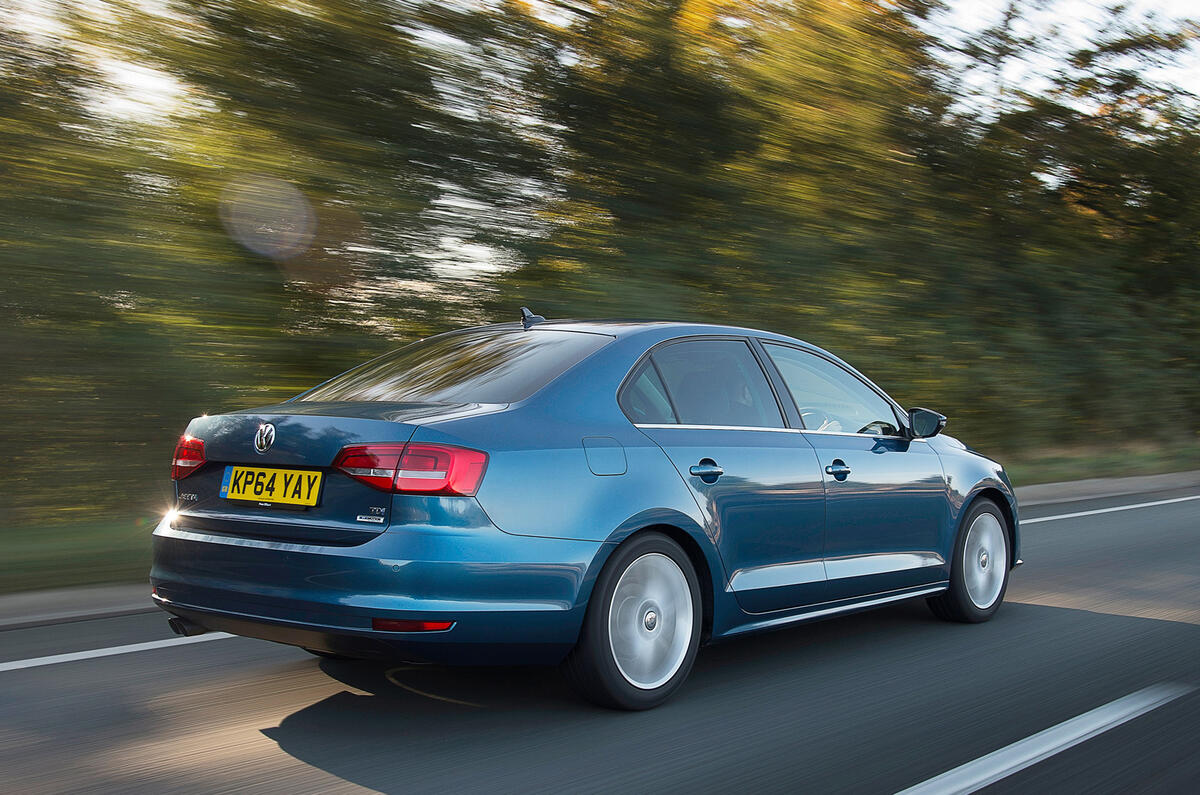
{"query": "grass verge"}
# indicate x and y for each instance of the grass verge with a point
(66, 555)
(1063, 464)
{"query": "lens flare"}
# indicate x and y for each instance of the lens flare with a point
(268, 216)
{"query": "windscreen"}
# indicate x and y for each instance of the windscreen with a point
(487, 365)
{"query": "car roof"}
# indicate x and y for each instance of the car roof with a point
(659, 331)
(664, 330)
(660, 328)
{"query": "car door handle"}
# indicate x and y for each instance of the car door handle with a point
(838, 469)
(707, 470)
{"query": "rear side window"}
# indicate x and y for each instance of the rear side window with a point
(645, 398)
(488, 365)
(717, 382)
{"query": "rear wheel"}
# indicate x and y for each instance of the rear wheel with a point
(980, 568)
(642, 628)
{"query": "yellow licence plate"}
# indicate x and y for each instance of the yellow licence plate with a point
(289, 486)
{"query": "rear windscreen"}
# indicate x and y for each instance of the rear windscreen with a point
(487, 365)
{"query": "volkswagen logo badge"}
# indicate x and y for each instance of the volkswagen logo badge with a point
(264, 437)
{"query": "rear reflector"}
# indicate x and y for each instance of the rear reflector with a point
(415, 468)
(189, 455)
(408, 625)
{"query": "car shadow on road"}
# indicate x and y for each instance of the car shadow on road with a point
(806, 700)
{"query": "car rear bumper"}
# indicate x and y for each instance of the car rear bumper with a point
(513, 599)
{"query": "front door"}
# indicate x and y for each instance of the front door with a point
(886, 498)
(708, 405)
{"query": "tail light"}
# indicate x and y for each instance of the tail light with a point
(415, 468)
(189, 455)
(440, 469)
(373, 464)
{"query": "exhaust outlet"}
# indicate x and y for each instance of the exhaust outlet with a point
(181, 626)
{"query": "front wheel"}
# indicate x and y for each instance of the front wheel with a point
(642, 627)
(979, 571)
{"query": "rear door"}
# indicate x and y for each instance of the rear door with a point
(885, 494)
(708, 404)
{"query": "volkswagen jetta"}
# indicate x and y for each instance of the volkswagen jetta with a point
(606, 495)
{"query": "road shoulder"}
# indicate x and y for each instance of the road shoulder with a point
(62, 605)
(1070, 491)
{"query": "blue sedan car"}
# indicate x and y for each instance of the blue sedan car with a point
(606, 495)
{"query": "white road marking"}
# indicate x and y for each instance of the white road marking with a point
(1000, 764)
(1108, 510)
(54, 659)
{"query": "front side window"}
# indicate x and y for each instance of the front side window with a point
(487, 365)
(717, 382)
(829, 398)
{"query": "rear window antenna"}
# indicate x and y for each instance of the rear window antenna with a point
(528, 319)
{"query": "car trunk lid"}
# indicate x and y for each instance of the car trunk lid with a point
(285, 453)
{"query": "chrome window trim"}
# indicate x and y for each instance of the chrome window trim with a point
(713, 427)
(864, 435)
(660, 425)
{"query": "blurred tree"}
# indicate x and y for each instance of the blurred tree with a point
(1049, 199)
(752, 162)
(269, 226)
(642, 123)
(328, 177)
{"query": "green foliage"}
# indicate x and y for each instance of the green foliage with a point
(330, 178)
(1031, 270)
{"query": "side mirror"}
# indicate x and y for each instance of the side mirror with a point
(925, 423)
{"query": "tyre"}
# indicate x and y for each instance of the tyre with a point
(642, 627)
(980, 568)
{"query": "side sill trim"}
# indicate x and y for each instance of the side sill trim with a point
(782, 621)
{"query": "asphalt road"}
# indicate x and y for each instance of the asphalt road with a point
(1105, 605)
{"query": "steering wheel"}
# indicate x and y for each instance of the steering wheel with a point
(878, 428)
(816, 419)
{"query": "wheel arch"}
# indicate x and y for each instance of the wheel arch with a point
(1004, 502)
(696, 545)
(699, 563)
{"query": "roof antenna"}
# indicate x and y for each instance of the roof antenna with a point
(529, 319)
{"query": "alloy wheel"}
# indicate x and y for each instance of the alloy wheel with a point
(650, 621)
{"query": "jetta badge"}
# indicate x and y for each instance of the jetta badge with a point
(264, 437)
